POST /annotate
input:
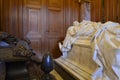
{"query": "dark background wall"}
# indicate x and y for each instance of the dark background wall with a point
(45, 22)
(0, 12)
(11, 17)
(105, 10)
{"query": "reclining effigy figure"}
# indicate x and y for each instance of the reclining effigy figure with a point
(106, 47)
(13, 48)
(84, 30)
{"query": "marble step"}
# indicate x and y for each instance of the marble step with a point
(77, 71)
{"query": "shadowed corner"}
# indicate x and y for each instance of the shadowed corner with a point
(47, 67)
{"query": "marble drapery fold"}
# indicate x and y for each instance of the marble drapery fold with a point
(84, 29)
(106, 48)
(105, 43)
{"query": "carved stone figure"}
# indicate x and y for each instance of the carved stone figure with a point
(84, 30)
(13, 48)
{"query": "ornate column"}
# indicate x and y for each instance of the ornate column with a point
(85, 9)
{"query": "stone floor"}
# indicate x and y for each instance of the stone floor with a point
(36, 72)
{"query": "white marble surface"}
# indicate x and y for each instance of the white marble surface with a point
(77, 72)
(56, 75)
(79, 62)
(100, 58)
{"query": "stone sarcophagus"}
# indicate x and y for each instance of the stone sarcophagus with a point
(12, 48)
(14, 53)
(91, 51)
(79, 61)
(77, 58)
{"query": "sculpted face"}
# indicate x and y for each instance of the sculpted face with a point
(76, 23)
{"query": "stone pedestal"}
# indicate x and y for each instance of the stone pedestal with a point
(79, 62)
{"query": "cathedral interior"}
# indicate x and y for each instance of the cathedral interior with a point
(59, 39)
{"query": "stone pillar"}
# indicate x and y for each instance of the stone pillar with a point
(85, 11)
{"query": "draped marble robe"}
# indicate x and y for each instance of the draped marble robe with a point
(85, 29)
(106, 48)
